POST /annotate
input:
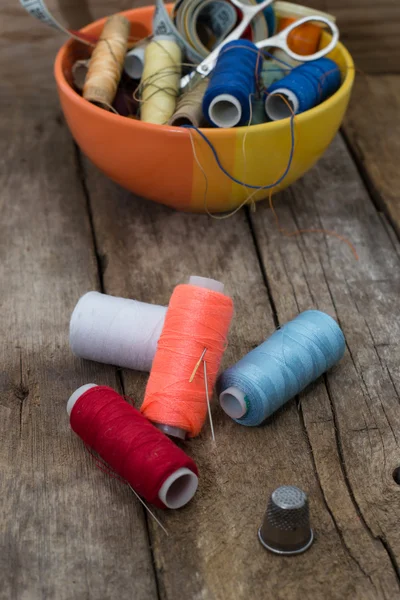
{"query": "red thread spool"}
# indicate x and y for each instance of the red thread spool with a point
(197, 319)
(137, 451)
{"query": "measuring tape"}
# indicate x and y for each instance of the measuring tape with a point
(39, 10)
(200, 25)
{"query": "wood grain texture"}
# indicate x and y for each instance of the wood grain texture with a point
(63, 523)
(213, 552)
(353, 421)
(372, 128)
(369, 29)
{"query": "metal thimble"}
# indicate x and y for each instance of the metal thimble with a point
(286, 526)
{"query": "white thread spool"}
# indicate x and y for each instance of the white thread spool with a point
(225, 111)
(116, 331)
(134, 62)
(178, 489)
(208, 284)
(275, 106)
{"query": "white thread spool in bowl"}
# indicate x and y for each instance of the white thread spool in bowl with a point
(116, 331)
(208, 284)
(178, 489)
(134, 62)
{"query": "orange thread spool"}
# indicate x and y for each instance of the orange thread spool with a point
(304, 39)
(197, 318)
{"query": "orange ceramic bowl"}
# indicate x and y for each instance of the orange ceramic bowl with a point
(158, 162)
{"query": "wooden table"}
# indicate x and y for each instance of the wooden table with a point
(70, 532)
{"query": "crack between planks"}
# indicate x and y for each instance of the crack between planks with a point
(372, 191)
(349, 488)
(120, 380)
(300, 411)
(338, 530)
(21, 403)
(82, 178)
(335, 423)
(118, 373)
(262, 267)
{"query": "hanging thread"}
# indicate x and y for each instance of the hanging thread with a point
(197, 322)
(281, 367)
(116, 331)
(134, 449)
(303, 88)
(106, 63)
(232, 82)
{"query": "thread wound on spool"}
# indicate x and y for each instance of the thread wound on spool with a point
(116, 331)
(283, 365)
(227, 100)
(196, 319)
(136, 450)
(160, 81)
(305, 87)
(107, 60)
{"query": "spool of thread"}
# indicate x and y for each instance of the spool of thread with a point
(304, 39)
(197, 320)
(281, 367)
(304, 87)
(106, 63)
(189, 110)
(137, 451)
(79, 72)
(227, 100)
(134, 61)
(116, 331)
(160, 81)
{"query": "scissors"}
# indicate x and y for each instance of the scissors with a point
(276, 41)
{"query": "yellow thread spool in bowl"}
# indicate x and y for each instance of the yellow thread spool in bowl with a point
(157, 162)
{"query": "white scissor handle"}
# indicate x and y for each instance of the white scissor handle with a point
(280, 40)
(249, 12)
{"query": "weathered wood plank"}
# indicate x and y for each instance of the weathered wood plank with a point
(369, 29)
(372, 128)
(213, 551)
(67, 531)
(353, 422)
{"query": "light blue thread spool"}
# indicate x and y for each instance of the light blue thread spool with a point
(281, 367)
(303, 88)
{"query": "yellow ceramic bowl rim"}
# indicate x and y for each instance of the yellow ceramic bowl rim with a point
(212, 133)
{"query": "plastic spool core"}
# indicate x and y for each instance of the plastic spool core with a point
(276, 107)
(232, 401)
(77, 394)
(179, 488)
(225, 110)
(134, 63)
(207, 283)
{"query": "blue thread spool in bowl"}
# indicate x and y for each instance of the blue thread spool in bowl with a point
(227, 100)
(281, 367)
(303, 88)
